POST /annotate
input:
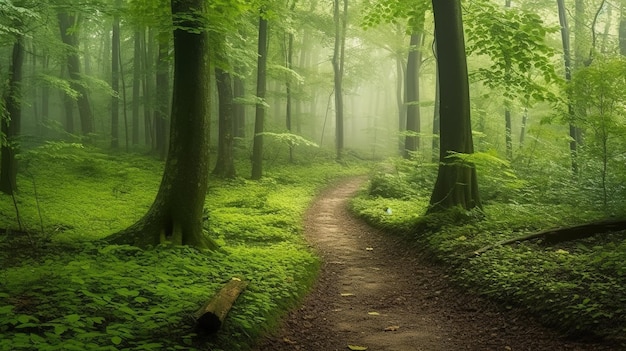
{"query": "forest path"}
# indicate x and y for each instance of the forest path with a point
(374, 292)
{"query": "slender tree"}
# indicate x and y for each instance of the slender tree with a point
(68, 24)
(11, 124)
(137, 68)
(456, 183)
(162, 88)
(224, 165)
(565, 39)
(414, 62)
(259, 121)
(176, 214)
(115, 82)
(340, 18)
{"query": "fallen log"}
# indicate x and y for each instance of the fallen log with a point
(210, 317)
(559, 235)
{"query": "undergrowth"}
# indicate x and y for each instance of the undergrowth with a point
(63, 289)
(577, 287)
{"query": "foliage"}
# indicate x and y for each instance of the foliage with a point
(12, 17)
(576, 287)
(389, 11)
(515, 42)
(601, 90)
(75, 293)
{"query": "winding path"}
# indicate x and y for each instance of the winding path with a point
(375, 293)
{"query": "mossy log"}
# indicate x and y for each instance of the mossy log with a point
(559, 235)
(210, 317)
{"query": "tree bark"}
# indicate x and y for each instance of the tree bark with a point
(565, 39)
(136, 86)
(456, 184)
(11, 125)
(259, 121)
(622, 28)
(239, 110)
(414, 61)
(209, 318)
(69, 36)
(224, 166)
(289, 66)
(400, 99)
(162, 96)
(338, 69)
(115, 83)
(176, 214)
(436, 120)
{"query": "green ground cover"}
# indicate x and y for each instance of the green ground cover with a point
(62, 289)
(578, 287)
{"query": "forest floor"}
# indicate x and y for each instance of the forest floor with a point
(373, 292)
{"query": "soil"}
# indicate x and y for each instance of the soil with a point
(374, 292)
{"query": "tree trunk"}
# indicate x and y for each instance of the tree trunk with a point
(69, 35)
(508, 131)
(176, 214)
(239, 110)
(565, 39)
(259, 121)
(148, 86)
(115, 83)
(136, 86)
(436, 120)
(45, 94)
(456, 184)
(289, 66)
(400, 97)
(338, 69)
(11, 125)
(162, 99)
(224, 166)
(414, 61)
(622, 28)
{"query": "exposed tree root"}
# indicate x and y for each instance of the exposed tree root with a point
(558, 235)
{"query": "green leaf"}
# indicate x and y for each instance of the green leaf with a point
(60, 329)
(116, 340)
(357, 348)
(72, 318)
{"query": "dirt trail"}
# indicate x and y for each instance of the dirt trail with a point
(375, 293)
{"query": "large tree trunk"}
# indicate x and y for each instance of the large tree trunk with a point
(11, 125)
(259, 121)
(456, 183)
(69, 35)
(176, 214)
(115, 83)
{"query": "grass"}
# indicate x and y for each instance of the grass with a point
(577, 287)
(60, 288)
